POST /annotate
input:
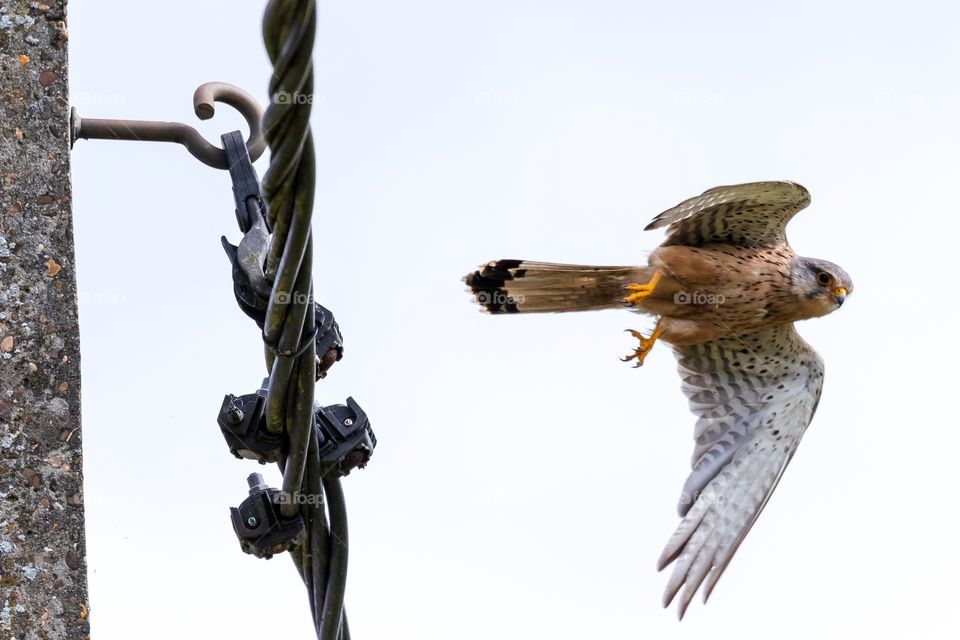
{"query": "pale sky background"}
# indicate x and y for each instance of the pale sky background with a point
(525, 480)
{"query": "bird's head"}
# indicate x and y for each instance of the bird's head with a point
(822, 286)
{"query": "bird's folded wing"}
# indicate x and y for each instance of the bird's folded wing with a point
(753, 397)
(748, 215)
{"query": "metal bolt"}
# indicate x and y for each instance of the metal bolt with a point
(348, 422)
(234, 414)
(255, 482)
(252, 522)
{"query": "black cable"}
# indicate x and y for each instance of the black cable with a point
(337, 570)
(289, 31)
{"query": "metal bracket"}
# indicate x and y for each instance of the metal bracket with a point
(251, 253)
(153, 131)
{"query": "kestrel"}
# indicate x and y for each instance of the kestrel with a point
(726, 288)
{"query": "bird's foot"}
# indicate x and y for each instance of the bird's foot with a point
(646, 344)
(641, 291)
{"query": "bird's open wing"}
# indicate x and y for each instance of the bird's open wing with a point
(749, 215)
(753, 397)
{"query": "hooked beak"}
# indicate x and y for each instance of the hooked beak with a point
(840, 294)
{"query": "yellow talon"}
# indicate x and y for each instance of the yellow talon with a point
(646, 344)
(641, 291)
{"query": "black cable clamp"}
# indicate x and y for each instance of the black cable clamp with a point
(259, 524)
(244, 428)
(251, 287)
(243, 175)
(345, 437)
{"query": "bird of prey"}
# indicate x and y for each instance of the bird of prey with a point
(726, 288)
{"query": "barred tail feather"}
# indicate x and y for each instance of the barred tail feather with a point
(524, 286)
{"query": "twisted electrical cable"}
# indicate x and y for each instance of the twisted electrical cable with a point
(289, 31)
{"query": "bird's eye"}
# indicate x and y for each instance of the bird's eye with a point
(823, 278)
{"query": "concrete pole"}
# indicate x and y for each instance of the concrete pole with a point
(43, 579)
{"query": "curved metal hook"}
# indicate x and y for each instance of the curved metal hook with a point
(155, 131)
